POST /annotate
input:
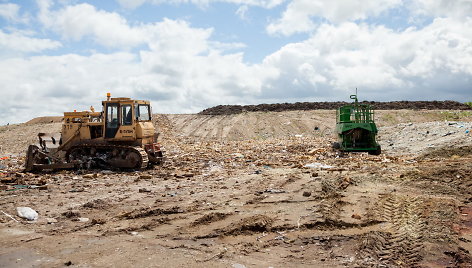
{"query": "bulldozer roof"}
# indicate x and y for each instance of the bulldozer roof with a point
(125, 100)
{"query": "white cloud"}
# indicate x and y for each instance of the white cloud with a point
(304, 15)
(436, 59)
(443, 8)
(83, 20)
(14, 43)
(11, 13)
(182, 71)
(241, 12)
(110, 29)
(299, 13)
(50, 85)
(262, 3)
(131, 3)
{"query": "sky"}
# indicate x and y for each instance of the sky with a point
(188, 55)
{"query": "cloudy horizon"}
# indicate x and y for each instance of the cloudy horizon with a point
(188, 55)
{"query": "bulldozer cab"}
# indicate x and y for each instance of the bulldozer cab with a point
(125, 119)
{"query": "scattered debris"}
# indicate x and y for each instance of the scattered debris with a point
(317, 165)
(145, 177)
(278, 205)
(144, 190)
(356, 216)
(51, 220)
(275, 191)
(71, 214)
(9, 216)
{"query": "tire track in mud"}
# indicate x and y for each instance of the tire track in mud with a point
(403, 244)
(414, 225)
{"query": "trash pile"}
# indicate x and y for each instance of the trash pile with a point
(421, 138)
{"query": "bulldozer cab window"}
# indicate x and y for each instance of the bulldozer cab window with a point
(112, 115)
(126, 115)
(111, 120)
(143, 112)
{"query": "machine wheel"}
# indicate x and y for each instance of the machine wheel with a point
(376, 152)
(336, 145)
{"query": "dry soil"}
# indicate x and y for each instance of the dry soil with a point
(259, 189)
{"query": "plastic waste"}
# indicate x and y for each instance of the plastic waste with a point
(317, 165)
(27, 213)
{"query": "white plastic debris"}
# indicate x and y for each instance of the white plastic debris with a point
(238, 155)
(27, 213)
(83, 219)
(317, 165)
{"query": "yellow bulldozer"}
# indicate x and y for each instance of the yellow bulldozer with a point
(122, 136)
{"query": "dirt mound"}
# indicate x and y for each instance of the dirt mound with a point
(45, 119)
(446, 152)
(148, 212)
(253, 224)
(453, 177)
(211, 217)
(279, 107)
(96, 204)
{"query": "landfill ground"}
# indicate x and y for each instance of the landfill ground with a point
(258, 189)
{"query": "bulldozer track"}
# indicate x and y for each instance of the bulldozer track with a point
(144, 160)
(144, 157)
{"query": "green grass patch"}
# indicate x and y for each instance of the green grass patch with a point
(455, 115)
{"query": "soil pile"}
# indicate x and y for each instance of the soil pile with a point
(279, 107)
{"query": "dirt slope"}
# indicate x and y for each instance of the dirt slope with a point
(253, 125)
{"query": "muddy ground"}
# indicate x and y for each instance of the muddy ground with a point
(252, 190)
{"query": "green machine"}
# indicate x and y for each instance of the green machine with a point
(356, 128)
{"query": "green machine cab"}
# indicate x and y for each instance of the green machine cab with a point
(356, 128)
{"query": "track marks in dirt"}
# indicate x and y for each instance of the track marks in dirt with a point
(404, 243)
(97, 204)
(148, 212)
(210, 217)
(449, 177)
(413, 222)
(117, 228)
(247, 225)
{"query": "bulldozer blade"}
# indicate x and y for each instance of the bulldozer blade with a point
(37, 160)
(49, 140)
(30, 157)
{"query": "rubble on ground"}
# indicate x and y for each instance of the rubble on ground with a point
(273, 200)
